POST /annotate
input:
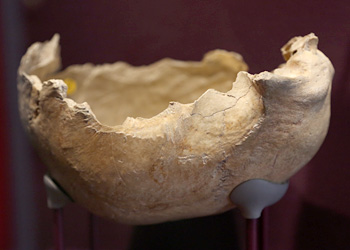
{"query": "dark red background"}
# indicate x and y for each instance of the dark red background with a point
(5, 201)
(315, 213)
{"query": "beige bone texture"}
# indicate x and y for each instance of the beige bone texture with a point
(171, 140)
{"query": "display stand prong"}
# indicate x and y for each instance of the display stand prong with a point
(251, 197)
(58, 228)
(263, 228)
(92, 232)
(252, 234)
(56, 200)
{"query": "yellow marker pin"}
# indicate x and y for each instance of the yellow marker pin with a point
(71, 84)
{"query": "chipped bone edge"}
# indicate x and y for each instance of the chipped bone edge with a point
(47, 65)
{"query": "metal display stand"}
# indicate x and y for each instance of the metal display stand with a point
(92, 232)
(57, 198)
(251, 198)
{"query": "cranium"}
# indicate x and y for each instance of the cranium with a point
(183, 160)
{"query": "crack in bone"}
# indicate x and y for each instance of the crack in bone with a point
(230, 107)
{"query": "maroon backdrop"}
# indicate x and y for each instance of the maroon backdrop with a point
(5, 197)
(315, 213)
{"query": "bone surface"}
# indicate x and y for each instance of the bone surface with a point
(171, 140)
